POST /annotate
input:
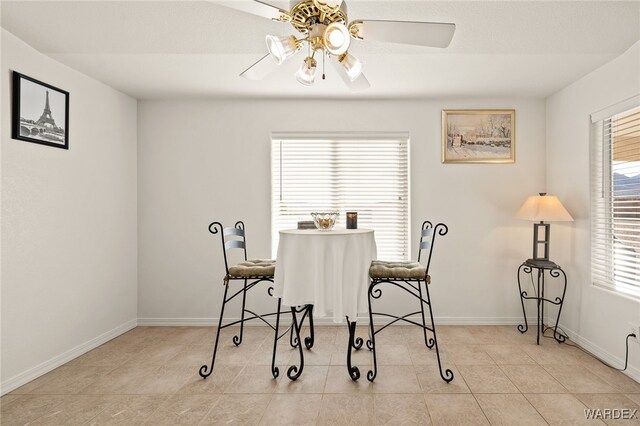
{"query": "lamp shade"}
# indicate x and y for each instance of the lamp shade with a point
(544, 208)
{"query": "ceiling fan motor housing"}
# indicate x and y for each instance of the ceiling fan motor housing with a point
(305, 14)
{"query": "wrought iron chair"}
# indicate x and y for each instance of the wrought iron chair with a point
(251, 272)
(408, 276)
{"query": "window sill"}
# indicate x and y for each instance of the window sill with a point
(632, 295)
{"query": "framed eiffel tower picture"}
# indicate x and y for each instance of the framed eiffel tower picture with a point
(40, 112)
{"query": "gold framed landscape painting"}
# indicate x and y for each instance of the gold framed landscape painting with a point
(478, 136)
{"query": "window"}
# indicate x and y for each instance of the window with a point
(615, 201)
(368, 174)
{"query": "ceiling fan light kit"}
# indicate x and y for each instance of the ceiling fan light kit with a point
(306, 75)
(326, 31)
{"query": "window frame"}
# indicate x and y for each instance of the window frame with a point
(602, 222)
(400, 137)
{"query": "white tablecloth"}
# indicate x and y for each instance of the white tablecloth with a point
(328, 269)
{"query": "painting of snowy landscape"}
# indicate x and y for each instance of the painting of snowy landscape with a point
(478, 136)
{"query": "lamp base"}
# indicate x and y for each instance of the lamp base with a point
(541, 238)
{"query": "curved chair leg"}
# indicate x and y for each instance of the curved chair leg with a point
(371, 343)
(294, 371)
(428, 342)
(205, 370)
(447, 375)
(238, 339)
(275, 371)
(521, 328)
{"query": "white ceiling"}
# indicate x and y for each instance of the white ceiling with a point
(182, 49)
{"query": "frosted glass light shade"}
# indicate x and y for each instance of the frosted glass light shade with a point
(281, 47)
(307, 73)
(336, 38)
(352, 65)
(544, 208)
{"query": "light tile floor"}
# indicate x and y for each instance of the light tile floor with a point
(150, 376)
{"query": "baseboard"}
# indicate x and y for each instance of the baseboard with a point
(600, 353)
(55, 362)
(207, 322)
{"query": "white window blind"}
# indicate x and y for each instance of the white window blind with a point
(615, 202)
(368, 174)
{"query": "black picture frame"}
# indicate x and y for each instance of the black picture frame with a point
(44, 130)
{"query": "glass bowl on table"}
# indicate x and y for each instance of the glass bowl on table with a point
(324, 221)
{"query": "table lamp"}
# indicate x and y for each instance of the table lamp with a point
(540, 209)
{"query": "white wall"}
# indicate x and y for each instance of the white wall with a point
(69, 258)
(597, 318)
(201, 161)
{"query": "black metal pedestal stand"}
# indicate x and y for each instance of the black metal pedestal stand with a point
(554, 270)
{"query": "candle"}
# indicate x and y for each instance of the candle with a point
(352, 220)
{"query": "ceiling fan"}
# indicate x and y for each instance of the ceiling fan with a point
(325, 30)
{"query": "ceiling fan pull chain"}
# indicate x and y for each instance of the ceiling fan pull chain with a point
(323, 68)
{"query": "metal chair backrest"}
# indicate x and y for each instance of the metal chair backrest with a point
(228, 241)
(428, 239)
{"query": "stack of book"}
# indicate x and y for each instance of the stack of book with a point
(306, 224)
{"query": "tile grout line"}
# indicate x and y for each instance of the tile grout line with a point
(535, 408)
(481, 409)
(609, 381)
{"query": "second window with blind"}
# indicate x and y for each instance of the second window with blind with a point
(368, 174)
(615, 202)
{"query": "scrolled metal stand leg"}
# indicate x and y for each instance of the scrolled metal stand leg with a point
(540, 305)
(308, 341)
(275, 371)
(371, 343)
(354, 372)
(555, 273)
(521, 293)
(542, 302)
(238, 339)
(294, 372)
(205, 370)
(447, 375)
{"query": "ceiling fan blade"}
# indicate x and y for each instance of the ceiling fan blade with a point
(430, 34)
(360, 83)
(259, 70)
(256, 7)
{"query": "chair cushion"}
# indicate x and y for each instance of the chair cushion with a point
(253, 268)
(400, 270)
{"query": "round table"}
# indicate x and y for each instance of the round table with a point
(326, 269)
